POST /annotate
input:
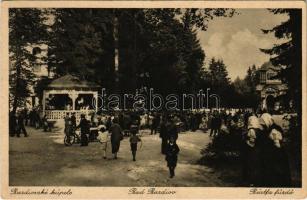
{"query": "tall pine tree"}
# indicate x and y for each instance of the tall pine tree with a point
(75, 44)
(26, 28)
(288, 55)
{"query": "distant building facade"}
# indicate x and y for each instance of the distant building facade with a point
(40, 70)
(270, 88)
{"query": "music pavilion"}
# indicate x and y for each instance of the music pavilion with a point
(69, 94)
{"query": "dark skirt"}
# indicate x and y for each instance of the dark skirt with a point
(115, 146)
(171, 161)
(276, 170)
(164, 145)
(251, 166)
(84, 140)
(134, 146)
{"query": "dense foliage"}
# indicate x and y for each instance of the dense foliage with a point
(287, 55)
(160, 43)
(26, 27)
(155, 48)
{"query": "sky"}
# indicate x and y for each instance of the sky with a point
(237, 40)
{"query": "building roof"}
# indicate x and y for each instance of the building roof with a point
(71, 82)
(280, 87)
(268, 65)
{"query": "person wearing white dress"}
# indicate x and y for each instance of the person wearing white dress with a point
(103, 137)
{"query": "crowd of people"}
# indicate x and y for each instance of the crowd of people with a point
(17, 124)
(113, 128)
(265, 161)
(255, 135)
(21, 118)
(168, 124)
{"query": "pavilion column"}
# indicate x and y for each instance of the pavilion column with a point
(74, 96)
(95, 95)
(44, 102)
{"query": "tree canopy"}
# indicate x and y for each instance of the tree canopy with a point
(156, 48)
(161, 43)
(26, 28)
(288, 55)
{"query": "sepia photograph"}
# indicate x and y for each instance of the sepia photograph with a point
(157, 97)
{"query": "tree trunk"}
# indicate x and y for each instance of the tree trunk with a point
(15, 102)
(116, 52)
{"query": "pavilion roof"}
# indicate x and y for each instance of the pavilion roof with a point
(71, 82)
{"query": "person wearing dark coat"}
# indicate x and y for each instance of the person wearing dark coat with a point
(21, 125)
(46, 126)
(164, 136)
(172, 130)
(171, 157)
(31, 118)
(85, 128)
(108, 123)
(250, 154)
(213, 125)
(126, 122)
(116, 137)
(67, 124)
(198, 118)
(155, 124)
(37, 120)
(193, 122)
(121, 120)
(216, 123)
(276, 169)
(73, 120)
(134, 139)
(26, 116)
(12, 124)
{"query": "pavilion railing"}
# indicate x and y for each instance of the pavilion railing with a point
(55, 115)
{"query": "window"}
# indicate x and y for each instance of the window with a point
(262, 77)
(36, 50)
(271, 76)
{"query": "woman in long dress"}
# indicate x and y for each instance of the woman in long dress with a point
(275, 165)
(116, 137)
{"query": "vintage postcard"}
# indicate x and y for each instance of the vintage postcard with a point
(153, 99)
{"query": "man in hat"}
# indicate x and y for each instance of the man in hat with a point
(73, 120)
(12, 124)
(67, 124)
(21, 125)
(172, 128)
(171, 157)
(116, 136)
(84, 126)
(164, 135)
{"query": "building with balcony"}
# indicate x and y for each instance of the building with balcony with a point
(270, 88)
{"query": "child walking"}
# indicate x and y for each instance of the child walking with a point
(172, 151)
(134, 139)
(103, 139)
